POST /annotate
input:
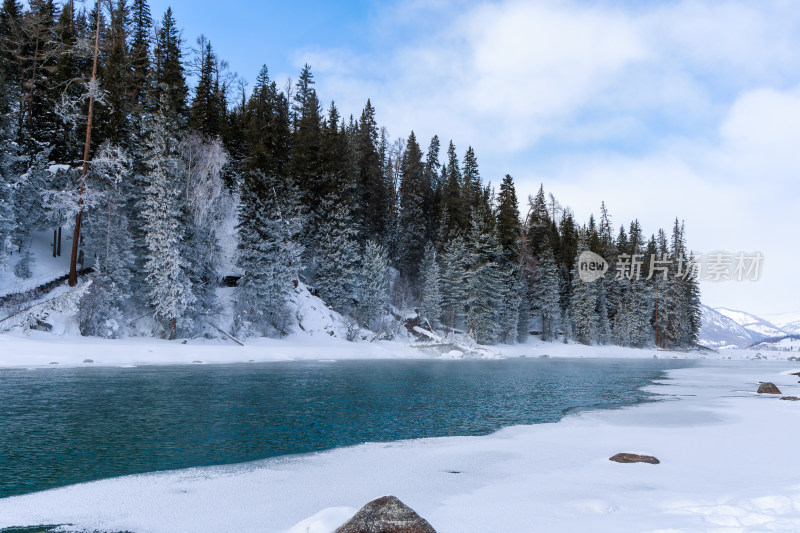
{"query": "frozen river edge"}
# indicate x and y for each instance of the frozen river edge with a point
(727, 463)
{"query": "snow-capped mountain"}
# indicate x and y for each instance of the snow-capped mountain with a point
(752, 323)
(730, 328)
(721, 331)
(788, 322)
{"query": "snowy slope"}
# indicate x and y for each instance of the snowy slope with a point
(788, 343)
(751, 322)
(44, 267)
(721, 331)
(788, 322)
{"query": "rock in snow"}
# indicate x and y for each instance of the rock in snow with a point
(768, 388)
(387, 514)
(790, 398)
(634, 458)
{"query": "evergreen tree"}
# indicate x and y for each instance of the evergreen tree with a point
(546, 299)
(306, 161)
(430, 308)
(267, 134)
(508, 224)
(685, 292)
(168, 67)
(454, 282)
(108, 237)
(269, 254)
(471, 184)
(208, 105)
(453, 205)
(510, 303)
(434, 191)
(583, 309)
(485, 284)
(373, 294)
(538, 223)
(411, 219)
(337, 255)
(303, 96)
(111, 120)
(631, 325)
(8, 164)
(375, 201)
(169, 288)
(140, 50)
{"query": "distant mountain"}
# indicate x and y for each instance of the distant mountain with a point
(721, 331)
(787, 343)
(788, 322)
(753, 323)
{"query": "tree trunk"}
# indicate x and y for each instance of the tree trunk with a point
(173, 325)
(73, 272)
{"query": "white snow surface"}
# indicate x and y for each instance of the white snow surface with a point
(44, 268)
(727, 464)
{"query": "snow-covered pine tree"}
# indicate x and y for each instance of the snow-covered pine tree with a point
(583, 309)
(108, 241)
(337, 255)
(430, 307)
(523, 312)
(687, 291)
(603, 322)
(454, 282)
(538, 223)
(510, 303)
(29, 210)
(373, 294)
(433, 198)
(7, 219)
(269, 253)
(546, 298)
(168, 286)
(486, 284)
(8, 162)
(631, 325)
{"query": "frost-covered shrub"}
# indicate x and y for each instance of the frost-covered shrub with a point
(23, 267)
(98, 313)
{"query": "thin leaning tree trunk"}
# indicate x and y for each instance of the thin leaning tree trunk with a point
(73, 272)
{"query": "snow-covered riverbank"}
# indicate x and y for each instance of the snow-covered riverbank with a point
(35, 348)
(727, 464)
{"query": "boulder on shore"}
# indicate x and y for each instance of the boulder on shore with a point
(387, 514)
(634, 458)
(790, 398)
(768, 388)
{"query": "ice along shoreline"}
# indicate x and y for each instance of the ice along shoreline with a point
(725, 452)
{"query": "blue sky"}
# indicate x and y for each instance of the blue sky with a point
(687, 108)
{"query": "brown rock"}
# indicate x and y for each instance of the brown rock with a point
(790, 398)
(386, 515)
(768, 388)
(634, 458)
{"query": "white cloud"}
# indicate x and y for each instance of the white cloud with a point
(704, 90)
(737, 193)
